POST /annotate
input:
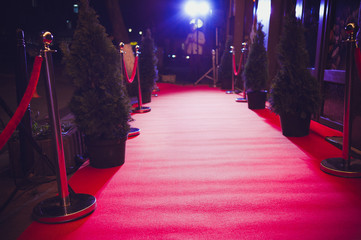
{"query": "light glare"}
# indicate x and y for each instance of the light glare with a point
(299, 10)
(204, 8)
(198, 22)
(195, 9)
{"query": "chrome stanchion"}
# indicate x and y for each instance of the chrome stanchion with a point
(140, 108)
(346, 166)
(133, 132)
(244, 98)
(231, 91)
(65, 207)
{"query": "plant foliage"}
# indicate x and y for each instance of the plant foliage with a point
(100, 104)
(255, 72)
(294, 90)
(148, 63)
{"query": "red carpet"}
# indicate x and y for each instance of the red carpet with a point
(207, 167)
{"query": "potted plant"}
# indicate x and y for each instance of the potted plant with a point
(295, 93)
(255, 72)
(147, 66)
(225, 66)
(100, 104)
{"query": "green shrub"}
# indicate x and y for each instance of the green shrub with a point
(294, 90)
(100, 104)
(255, 72)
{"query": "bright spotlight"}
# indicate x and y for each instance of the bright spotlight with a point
(194, 9)
(204, 8)
(191, 8)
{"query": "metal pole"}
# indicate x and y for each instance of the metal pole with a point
(55, 122)
(121, 51)
(140, 108)
(350, 48)
(62, 208)
(244, 52)
(133, 132)
(214, 67)
(197, 53)
(345, 166)
(26, 152)
(232, 90)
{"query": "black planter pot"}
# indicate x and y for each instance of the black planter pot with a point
(146, 96)
(106, 153)
(295, 126)
(256, 99)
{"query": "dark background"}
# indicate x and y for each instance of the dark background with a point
(166, 20)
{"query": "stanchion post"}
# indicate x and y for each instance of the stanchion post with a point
(62, 208)
(55, 121)
(140, 108)
(26, 151)
(214, 67)
(346, 166)
(232, 91)
(121, 51)
(244, 52)
(133, 132)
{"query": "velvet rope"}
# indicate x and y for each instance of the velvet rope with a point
(20, 111)
(358, 61)
(130, 80)
(235, 71)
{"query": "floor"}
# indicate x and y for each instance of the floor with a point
(18, 197)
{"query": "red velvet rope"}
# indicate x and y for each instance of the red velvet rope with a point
(235, 71)
(20, 111)
(130, 80)
(358, 61)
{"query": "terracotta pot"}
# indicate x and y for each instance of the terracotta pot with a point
(106, 153)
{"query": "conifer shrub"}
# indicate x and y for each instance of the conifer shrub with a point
(255, 72)
(294, 90)
(148, 63)
(100, 104)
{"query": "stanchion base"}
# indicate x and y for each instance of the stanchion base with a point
(230, 92)
(133, 132)
(142, 110)
(51, 211)
(241, 100)
(340, 168)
